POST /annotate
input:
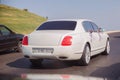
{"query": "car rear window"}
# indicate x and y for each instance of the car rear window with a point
(58, 25)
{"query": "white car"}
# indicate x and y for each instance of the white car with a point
(65, 40)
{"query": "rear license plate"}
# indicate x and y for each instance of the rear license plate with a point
(42, 50)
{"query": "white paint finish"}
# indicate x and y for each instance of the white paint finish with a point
(47, 37)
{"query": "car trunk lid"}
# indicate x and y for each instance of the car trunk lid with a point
(47, 37)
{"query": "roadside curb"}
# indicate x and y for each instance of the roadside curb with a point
(111, 31)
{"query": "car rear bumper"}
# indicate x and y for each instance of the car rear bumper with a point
(60, 53)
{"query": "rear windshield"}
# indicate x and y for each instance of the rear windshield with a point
(58, 25)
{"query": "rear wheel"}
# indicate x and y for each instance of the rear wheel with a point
(85, 59)
(36, 62)
(107, 48)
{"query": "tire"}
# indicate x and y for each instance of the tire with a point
(107, 48)
(85, 59)
(18, 48)
(36, 62)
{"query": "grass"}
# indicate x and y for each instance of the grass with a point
(19, 21)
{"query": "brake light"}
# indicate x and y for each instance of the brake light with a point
(25, 40)
(67, 41)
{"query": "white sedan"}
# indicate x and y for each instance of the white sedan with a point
(65, 40)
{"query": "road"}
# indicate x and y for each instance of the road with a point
(13, 65)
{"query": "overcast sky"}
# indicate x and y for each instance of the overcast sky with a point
(105, 13)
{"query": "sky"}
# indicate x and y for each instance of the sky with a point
(105, 13)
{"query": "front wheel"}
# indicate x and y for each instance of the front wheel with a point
(107, 48)
(85, 59)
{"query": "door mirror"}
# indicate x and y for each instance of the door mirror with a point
(101, 30)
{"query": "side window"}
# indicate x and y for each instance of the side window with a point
(4, 31)
(95, 27)
(87, 26)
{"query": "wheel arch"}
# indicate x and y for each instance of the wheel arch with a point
(88, 43)
(108, 39)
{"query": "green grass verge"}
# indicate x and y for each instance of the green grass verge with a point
(19, 21)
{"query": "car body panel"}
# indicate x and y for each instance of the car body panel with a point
(44, 38)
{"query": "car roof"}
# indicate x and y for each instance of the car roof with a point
(69, 20)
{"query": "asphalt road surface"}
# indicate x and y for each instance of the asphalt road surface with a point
(13, 65)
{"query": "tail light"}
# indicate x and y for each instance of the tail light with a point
(67, 41)
(25, 40)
